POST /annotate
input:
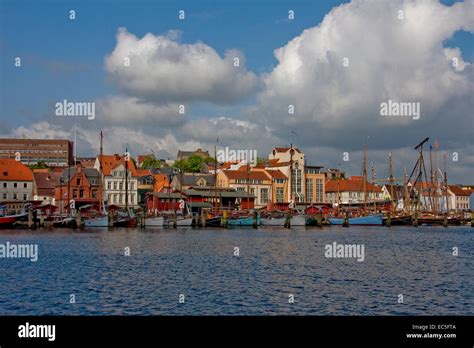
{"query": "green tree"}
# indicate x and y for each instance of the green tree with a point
(151, 162)
(39, 165)
(193, 164)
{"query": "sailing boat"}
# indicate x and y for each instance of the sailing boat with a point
(366, 220)
(103, 219)
(185, 219)
(126, 218)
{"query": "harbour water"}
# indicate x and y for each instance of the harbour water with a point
(272, 265)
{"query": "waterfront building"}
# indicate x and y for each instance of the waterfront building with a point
(351, 191)
(52, 152)
(333, 174)
(183, 155)
(186, 181)
(16, 183)
(257, 182)
(315, 183)
(79, 184)
(291, 162)
(113, 172)
(45, 184)
(459, 198)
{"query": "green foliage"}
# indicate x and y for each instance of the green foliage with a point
(193, 164)
(39, 165)
(151, 162)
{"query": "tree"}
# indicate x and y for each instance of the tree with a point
(151, 162)
(39, 165)
(192, 164)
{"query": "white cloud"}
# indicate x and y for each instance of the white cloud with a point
(162, 69)
(131, 110)
(402, 60)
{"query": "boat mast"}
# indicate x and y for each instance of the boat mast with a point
(433, 208)
(391, 181)
(216, 209)
(436, 184)
(101, 188)
(373, 187)
(364, 177)
(445, 183)
(126, 179)
(405, 188)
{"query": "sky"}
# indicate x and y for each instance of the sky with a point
(335, 62)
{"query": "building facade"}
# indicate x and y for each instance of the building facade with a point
(351, 191)
(16, 181)
(52, 152)
(77, 184)
(113, 173)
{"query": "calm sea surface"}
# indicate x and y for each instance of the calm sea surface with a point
(273, 263)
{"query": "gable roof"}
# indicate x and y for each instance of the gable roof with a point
(242, 174)
(110, 162)
(459, 191)
(285, 149)
(276, 174)
(351, 185)
(11, 170)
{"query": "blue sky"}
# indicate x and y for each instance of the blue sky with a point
(65, 59)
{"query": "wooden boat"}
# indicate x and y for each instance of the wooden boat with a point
(65, 222)
(369, 220)
(156, 221)
(9, 220)
(296, 220)
(100, 221)
(180, 221)
(214, 221)
(243, 221)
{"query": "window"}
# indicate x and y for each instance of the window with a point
(81, 193)
(279, 181)
(279, 195)
(120, 186)
(109, 185)
(132, 186)
(25, 196)
(78, 182)
(5, 185)
(15, 184)
(74, 193)
(5, 196)
(25, 185)
(309, 190)
(319, 190)
(115, 185)
(263, 196)
(14, 196)
(252, 191)
(94, 193)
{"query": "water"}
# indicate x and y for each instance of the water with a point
(273, 263)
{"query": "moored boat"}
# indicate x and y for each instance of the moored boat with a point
(244, 221)
(154, 221)
(369, 220)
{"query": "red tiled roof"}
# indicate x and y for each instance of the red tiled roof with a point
(143, 172)
(275, 163)
(46, 180)
(350, 185)
(459, 191)
(109, 162)
(285, 149)
(252, 175)
(11, 170)
(276, 174)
